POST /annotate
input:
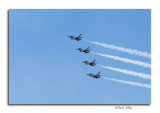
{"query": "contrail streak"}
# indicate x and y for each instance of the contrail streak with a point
(129, 82)
(122, 49)
(126, 60)
(133, 73)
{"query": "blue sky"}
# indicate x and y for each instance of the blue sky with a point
(45, 68)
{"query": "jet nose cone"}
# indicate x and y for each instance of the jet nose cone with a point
(83, 62)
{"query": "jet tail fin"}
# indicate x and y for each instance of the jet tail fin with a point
(80, 35)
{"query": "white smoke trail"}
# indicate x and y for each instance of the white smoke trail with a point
(122, 49)
(142, 75)
(144, 64)
(129, 82)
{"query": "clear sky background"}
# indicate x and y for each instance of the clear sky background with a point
(46, 68)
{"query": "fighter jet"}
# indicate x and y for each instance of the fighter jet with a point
(90, 63)
(78, 38)
(95, 76)
(84, 50)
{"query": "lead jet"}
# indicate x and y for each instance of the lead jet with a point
(90, 63)
(95, 76)
(78, 38)
(84, 50)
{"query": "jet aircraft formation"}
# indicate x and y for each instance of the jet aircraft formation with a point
(93, 63)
